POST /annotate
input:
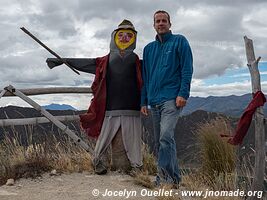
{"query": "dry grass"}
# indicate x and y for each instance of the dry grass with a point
(149, 161)
(18, 161)
(144, 180)
(149, 169)
(218, 157)
(67, 157)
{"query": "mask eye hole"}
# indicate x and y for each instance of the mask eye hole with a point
(130, 35)
(120, 34)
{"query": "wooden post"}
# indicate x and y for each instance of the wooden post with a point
(258, 181)
(2, 93)
(59, 124)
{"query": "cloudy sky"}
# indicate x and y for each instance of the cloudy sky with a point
(82, 28)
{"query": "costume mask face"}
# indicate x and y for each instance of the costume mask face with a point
(124, 38)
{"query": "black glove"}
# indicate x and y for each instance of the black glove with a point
(53, 62)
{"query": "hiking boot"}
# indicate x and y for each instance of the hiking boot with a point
(100, 168)
(134, 171)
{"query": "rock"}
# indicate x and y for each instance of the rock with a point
(10, 182)
(53, 172)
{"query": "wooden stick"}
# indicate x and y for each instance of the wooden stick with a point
(258, 59)
(52, 52)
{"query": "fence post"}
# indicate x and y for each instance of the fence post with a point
(258, 181)
(2, 93)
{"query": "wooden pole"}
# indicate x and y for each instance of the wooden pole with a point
(36, 120)
(258, 181)
(3, 92)
(52, 90)
(52, 52)
(59, 124)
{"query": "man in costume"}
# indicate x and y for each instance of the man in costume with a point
(114, 113)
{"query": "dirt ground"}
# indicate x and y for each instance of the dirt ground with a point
(80, 186)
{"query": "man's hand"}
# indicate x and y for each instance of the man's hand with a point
(144, 110)
(180, 102)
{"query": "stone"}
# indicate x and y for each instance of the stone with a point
(10, 182)
(53, 172)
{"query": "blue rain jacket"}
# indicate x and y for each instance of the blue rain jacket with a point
(166, 69)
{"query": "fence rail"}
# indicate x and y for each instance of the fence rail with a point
(51, 90)
(36, 120)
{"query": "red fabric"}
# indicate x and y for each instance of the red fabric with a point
(91, 122)
(245, 120)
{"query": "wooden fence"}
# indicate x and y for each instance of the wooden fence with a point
(11, 91)
(41, 91)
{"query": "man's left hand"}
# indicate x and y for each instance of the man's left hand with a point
(180, 102)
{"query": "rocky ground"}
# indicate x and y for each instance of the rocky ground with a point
(80, 186)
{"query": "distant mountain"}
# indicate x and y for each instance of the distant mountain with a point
(228, 105)
(54, 106)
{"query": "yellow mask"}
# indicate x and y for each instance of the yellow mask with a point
(124, 38)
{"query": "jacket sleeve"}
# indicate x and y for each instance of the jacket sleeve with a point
(145, 80)
(186, 66)
(87, 65)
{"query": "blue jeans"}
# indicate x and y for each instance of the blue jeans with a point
(165, 117)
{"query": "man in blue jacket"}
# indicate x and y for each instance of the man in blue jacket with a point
(167, 73)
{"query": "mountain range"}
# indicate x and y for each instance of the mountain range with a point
(55, 106)
(228, 105)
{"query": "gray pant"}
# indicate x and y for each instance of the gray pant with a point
(131, 131)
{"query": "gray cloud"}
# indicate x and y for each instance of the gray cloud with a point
(82, 28)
